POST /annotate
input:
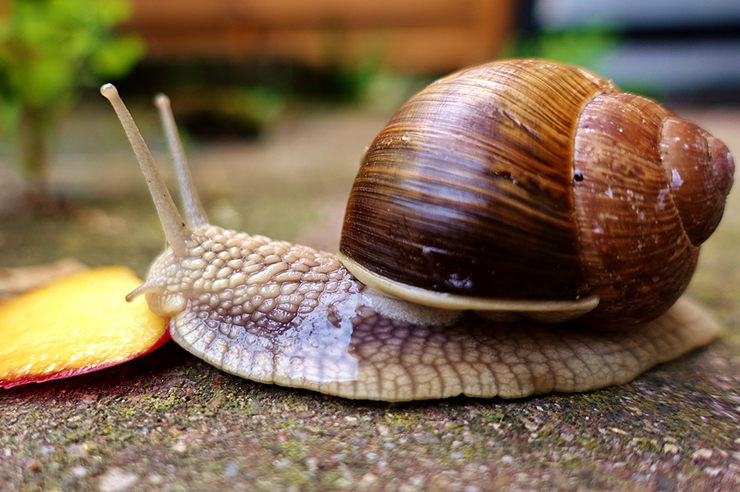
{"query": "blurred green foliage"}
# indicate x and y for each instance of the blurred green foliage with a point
(226, 98)
(48, 49)
(582, 47)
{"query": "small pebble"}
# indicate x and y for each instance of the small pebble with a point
(34, 465)
(368, 479)
(701, 454)
(416, 481)
(312, 464)
(231, 469)
(670, 448)
(116, 479)
(155, 478)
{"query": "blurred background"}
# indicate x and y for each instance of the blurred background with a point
(277, 100)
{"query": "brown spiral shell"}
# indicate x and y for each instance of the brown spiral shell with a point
(534, 180)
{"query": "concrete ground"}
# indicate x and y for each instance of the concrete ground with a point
(170, 422)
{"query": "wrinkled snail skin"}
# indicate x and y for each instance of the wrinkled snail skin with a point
(276, 312)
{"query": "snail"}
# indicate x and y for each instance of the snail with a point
(518, 227)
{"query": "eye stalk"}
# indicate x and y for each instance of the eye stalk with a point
(194, 211)
(174, 226)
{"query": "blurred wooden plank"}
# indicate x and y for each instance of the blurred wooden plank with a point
(415, 49)
(416, 35)
(301, 13)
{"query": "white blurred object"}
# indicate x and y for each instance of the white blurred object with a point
(680, 66)
(681, 46)
(637, 13)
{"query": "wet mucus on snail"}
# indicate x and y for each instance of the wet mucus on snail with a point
(518, 227)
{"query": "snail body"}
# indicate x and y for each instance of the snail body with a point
(498, 172)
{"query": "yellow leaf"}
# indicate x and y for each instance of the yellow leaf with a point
(78, 324)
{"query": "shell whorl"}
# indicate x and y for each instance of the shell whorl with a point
(635, 253)
(700, 171)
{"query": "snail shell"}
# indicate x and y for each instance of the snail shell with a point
(487, 148)
(534, 181)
